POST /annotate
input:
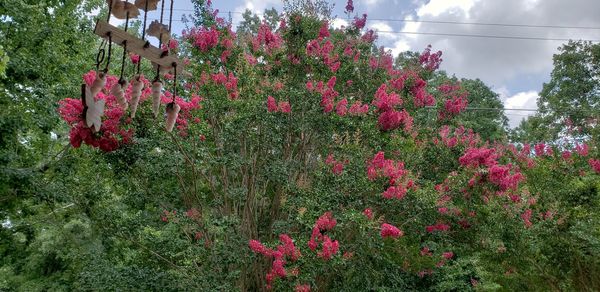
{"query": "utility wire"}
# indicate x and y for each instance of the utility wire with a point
(445, 22)
(478, 35)
(484, 36)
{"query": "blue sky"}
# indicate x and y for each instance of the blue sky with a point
(516, 69)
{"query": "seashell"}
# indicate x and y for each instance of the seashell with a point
(98, 84)
(95, 110)
(118, 90)
(156, 28)
(156, 93)
(172, 113)
(152, 4)
(136, 91)
(120, 8)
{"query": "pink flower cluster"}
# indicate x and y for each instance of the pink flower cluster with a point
(286, 249)
(113, 132)
(475, 157)
(526, 216)
(460, 136)
(501, 176)
(541, 149)
(388, 230)
(359, 23)
(389, 117)
(421, 96)
(397, 176)
(328, 95)
(230, 82)
(324, 50)
(441, 227)
(349, 6)
(456, 100)
(203, 38)
(506, 177)
(282, 106)
(329, 247)
(337, 167)
(430, 61)
(594, 164)
(368, 213)
(266, 39)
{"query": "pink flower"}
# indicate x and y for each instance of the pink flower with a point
(526, 216)
(302, 288)
(342, 107)
(326, 221)
(284, 107)
(324, 30)
(349, 6)
(271, 104)
(426, 252)
(479, 156)
(448, 255)
(430, 61)
(134, 58)
(437, 227)
(258, 247)
(359, 23)
(368, 213)
(173, 44)
(582, 149)
(595, 164)
(330, 248)
(388, 230)
(338, 168)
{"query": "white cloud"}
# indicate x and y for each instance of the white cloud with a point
(399, 47)
(369, 2)
(383, 27)
(521, 100)
(437, 7)
(339, 22)
(256, 6)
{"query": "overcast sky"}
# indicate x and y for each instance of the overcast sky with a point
(514, 68)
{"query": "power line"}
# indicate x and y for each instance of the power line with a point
(448, 22)
(485, 36)
(468, 35)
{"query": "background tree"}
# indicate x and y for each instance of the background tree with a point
(569, 103)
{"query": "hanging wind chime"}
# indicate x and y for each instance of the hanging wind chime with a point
(161, 60)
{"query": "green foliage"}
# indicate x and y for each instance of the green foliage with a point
(569, 103)
(175, 211)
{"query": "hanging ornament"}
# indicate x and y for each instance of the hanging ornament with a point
(98, 83)
(123, 9)
(94, 111)
(147, 5)
(118, 90)
(172, 113)
(136, 91)
(159, 31)
(156, 92)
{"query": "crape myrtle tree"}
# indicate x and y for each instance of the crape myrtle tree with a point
(303, 159)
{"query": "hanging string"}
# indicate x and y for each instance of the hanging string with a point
(109, 35)
(162, 12)
(101, 54)
(174, 81)
(121, 80)
(143, 35)
(171, 17)
(110, 5)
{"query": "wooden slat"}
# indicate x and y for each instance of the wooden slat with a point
(136, 45)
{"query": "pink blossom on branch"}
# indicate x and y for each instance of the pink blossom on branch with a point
(388, 230)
